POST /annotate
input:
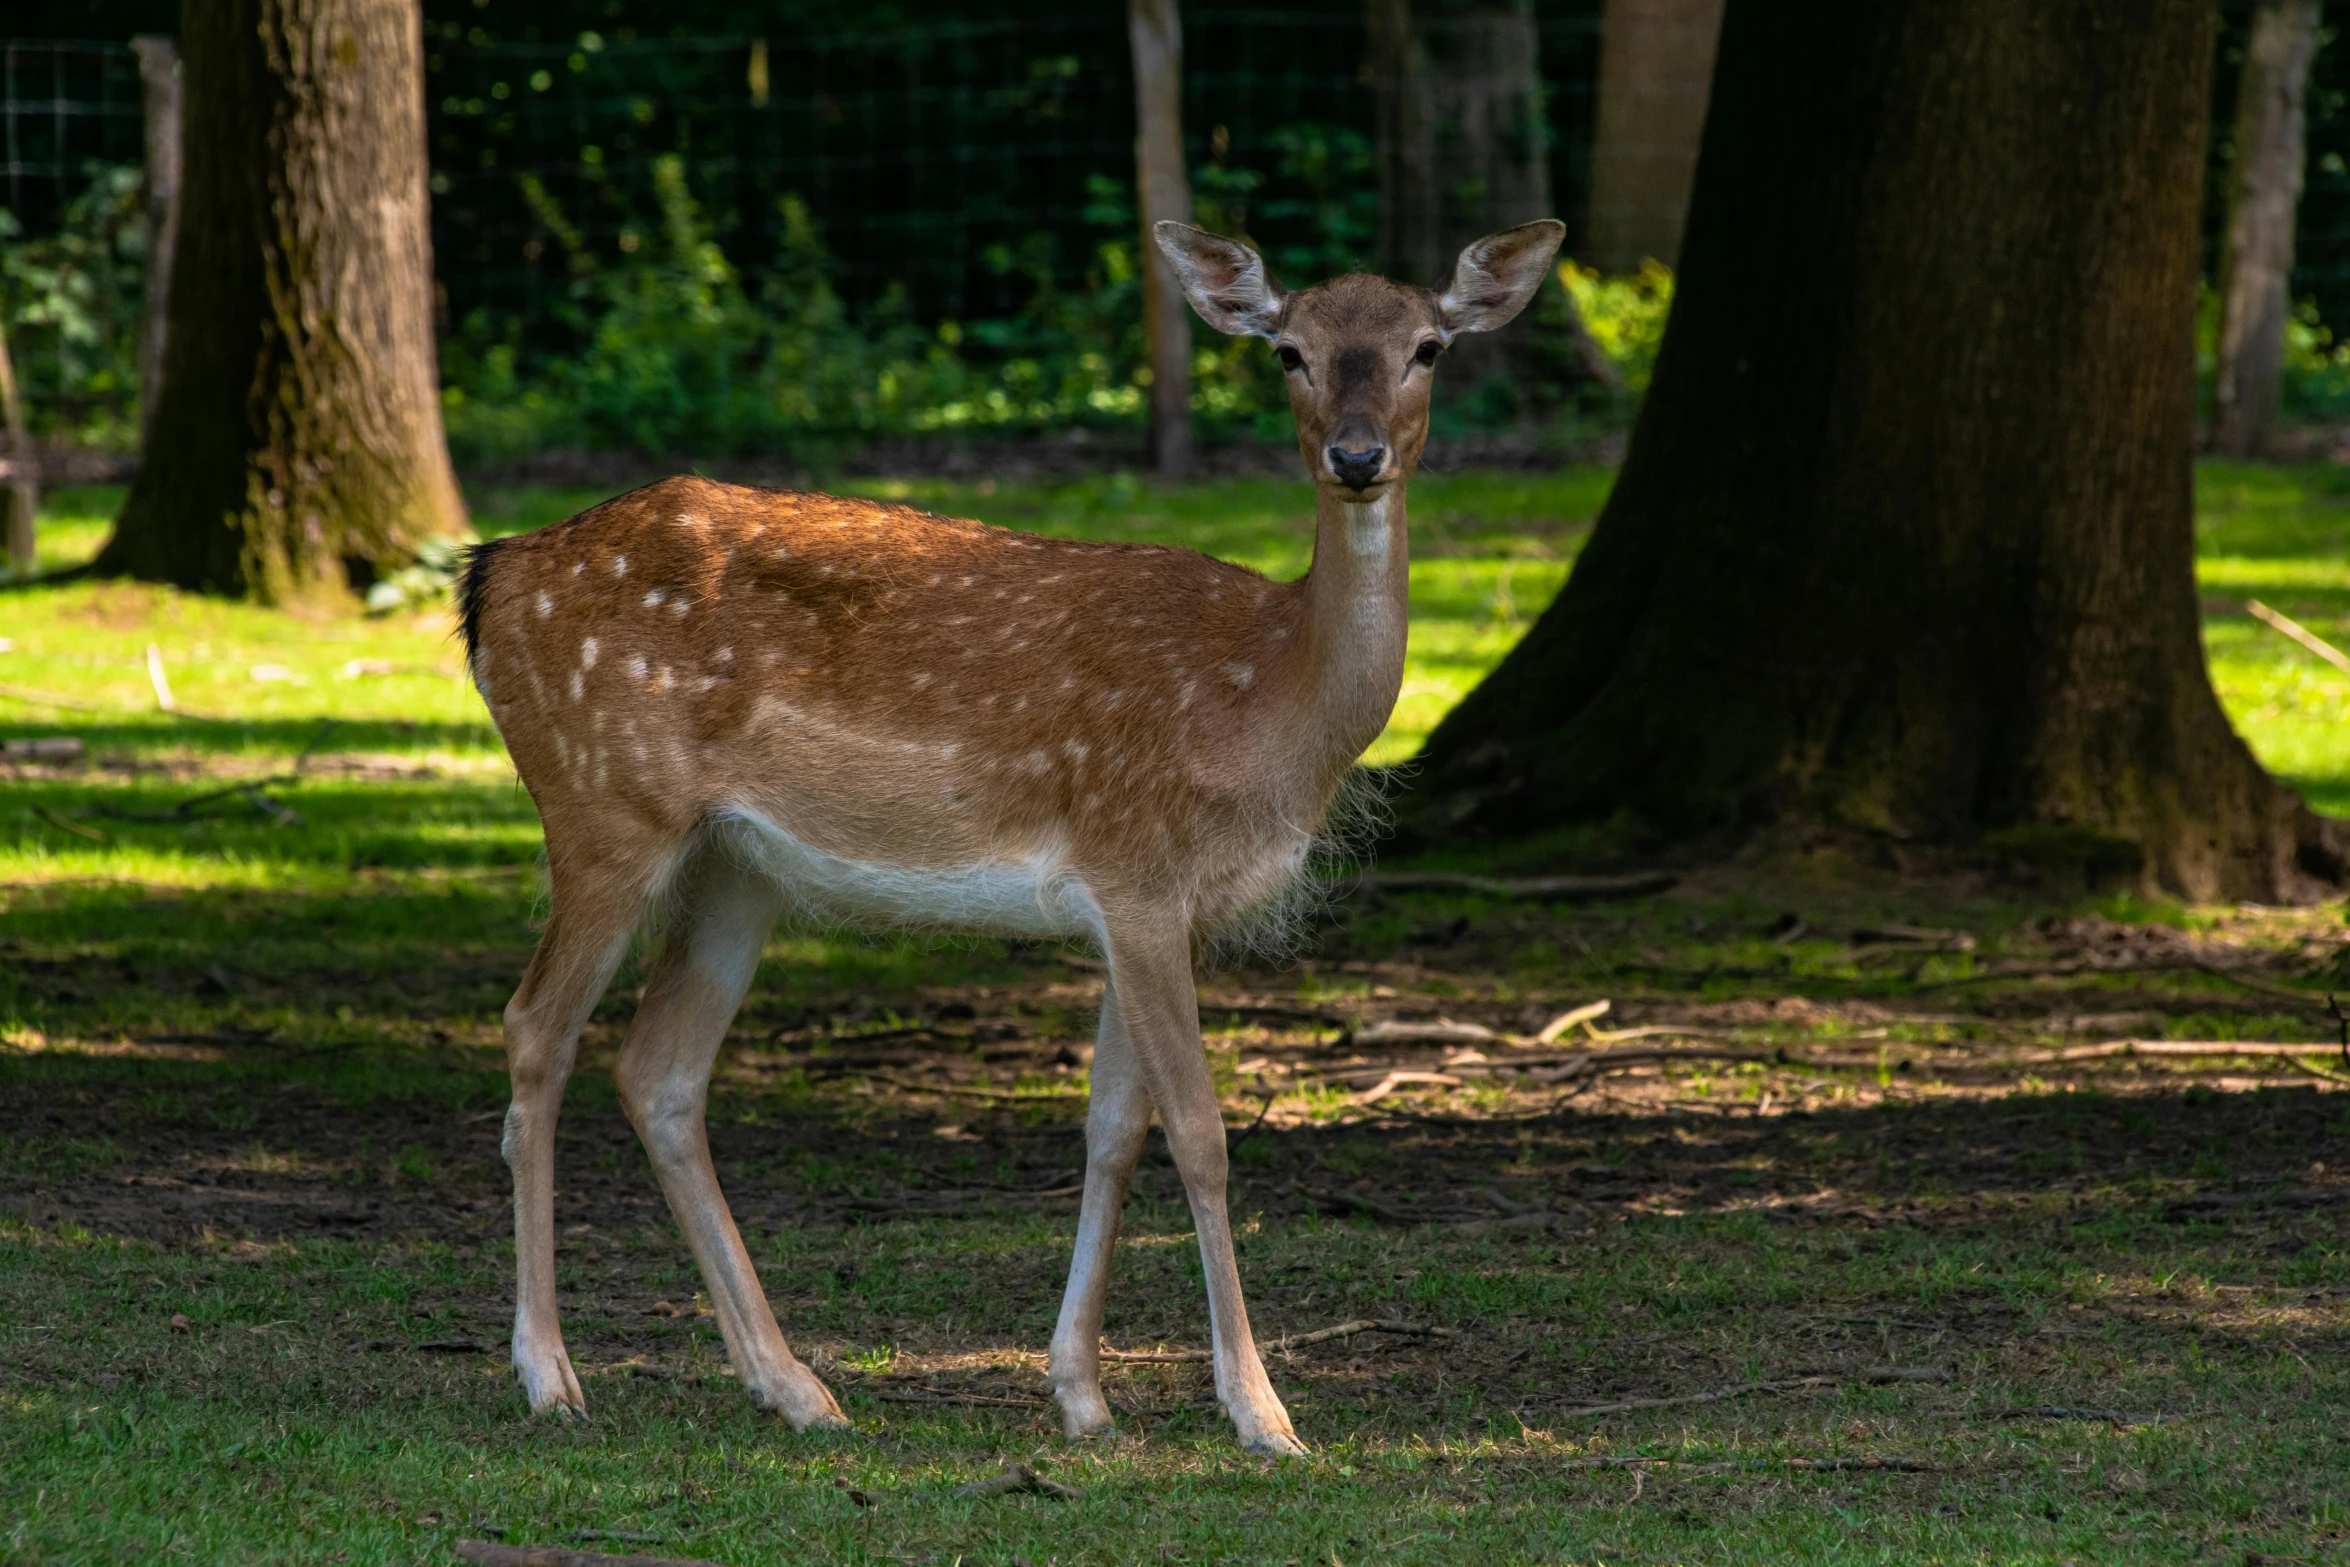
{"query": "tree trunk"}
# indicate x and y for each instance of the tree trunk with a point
(1163, 196)
(1903, 544)
(296, 446)
(20, 470)
(1411, 228)
(1464, 148)
(1656, 62)
(2264, 189)
(159, 77)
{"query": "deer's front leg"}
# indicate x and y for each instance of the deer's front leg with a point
(1152, 970)
(1117, 1120)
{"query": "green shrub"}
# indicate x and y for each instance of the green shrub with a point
(72, 301)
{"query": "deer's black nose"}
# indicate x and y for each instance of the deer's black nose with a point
(1357, 470)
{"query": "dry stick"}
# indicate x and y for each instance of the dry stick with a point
(1715, 1397)
(2267, 987)
(2299, 633)
(1285, 1345)
(1897, 1465)
(1019, 1477)
(485, 1553)
(2326, 1072)
(65, 823)
(1564, 889)
(2175, 1047)
(968, 1091)
(924, 1395)
(155, 678)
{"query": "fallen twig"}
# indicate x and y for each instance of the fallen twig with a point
(44, 748)
(971, 1090)
(1394, 1080)
(2267, 987)
(2299, 633)
(2056, 1412)
(65, 823)
(250, 788)
(1285, 1344)
(927, 1395)
(488, 1553)
(2176, 1047)
(1635, 1461)
(1554, 889)
(1717, 1396)
(2314, 1070)
(1018, 1477)
(1550, 1031)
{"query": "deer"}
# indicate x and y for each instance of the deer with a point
(732, 705)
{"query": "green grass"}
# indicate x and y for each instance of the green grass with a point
(250, 1076)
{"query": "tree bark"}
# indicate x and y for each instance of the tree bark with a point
(2264, 189)
(1902, 547)
(20, 470)
(159, 79)
(1163, 194)
(1411, 228)
(1656, 63)
(296, 445)
(1464, 147)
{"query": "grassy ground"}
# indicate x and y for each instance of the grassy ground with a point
(253, 1266)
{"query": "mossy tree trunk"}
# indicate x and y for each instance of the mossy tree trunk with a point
(296, 447)
(1903, 543)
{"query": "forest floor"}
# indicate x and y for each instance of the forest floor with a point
(1851, 1231)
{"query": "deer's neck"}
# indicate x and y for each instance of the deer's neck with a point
(1357, 613)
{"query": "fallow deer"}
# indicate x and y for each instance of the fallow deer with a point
(733, 704)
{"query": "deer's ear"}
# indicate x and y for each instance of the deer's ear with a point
(1225, 281)
(1497, 275)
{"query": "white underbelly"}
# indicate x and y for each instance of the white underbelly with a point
(1035, 894)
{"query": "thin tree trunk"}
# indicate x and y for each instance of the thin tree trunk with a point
(1411, 225)
(1902, 550)
(1464, 147)
(2263, 192)
(159, 62)
(296, 446)
(1656, 63)
(21, 499)
(1163, 196)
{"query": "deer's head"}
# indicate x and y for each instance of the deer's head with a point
(1359, 351)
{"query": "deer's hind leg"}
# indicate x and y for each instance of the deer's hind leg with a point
(596, 905)
(706, 963)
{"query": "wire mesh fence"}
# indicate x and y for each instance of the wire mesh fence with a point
(948, 173)
(65, 106)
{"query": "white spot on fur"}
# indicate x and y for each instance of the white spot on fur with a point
(692, 519)
(724, 655)
(587, 653)
(1239, 674)
(546, 606)
(620, 565)
(636, 665)
(654, 598)
(578, 686)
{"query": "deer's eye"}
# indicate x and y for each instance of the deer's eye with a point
(1427, 352)
(1290, 358)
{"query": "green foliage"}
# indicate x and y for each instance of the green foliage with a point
(2317, 366)
(72, 303)
(680, 356)
(1624, 315)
